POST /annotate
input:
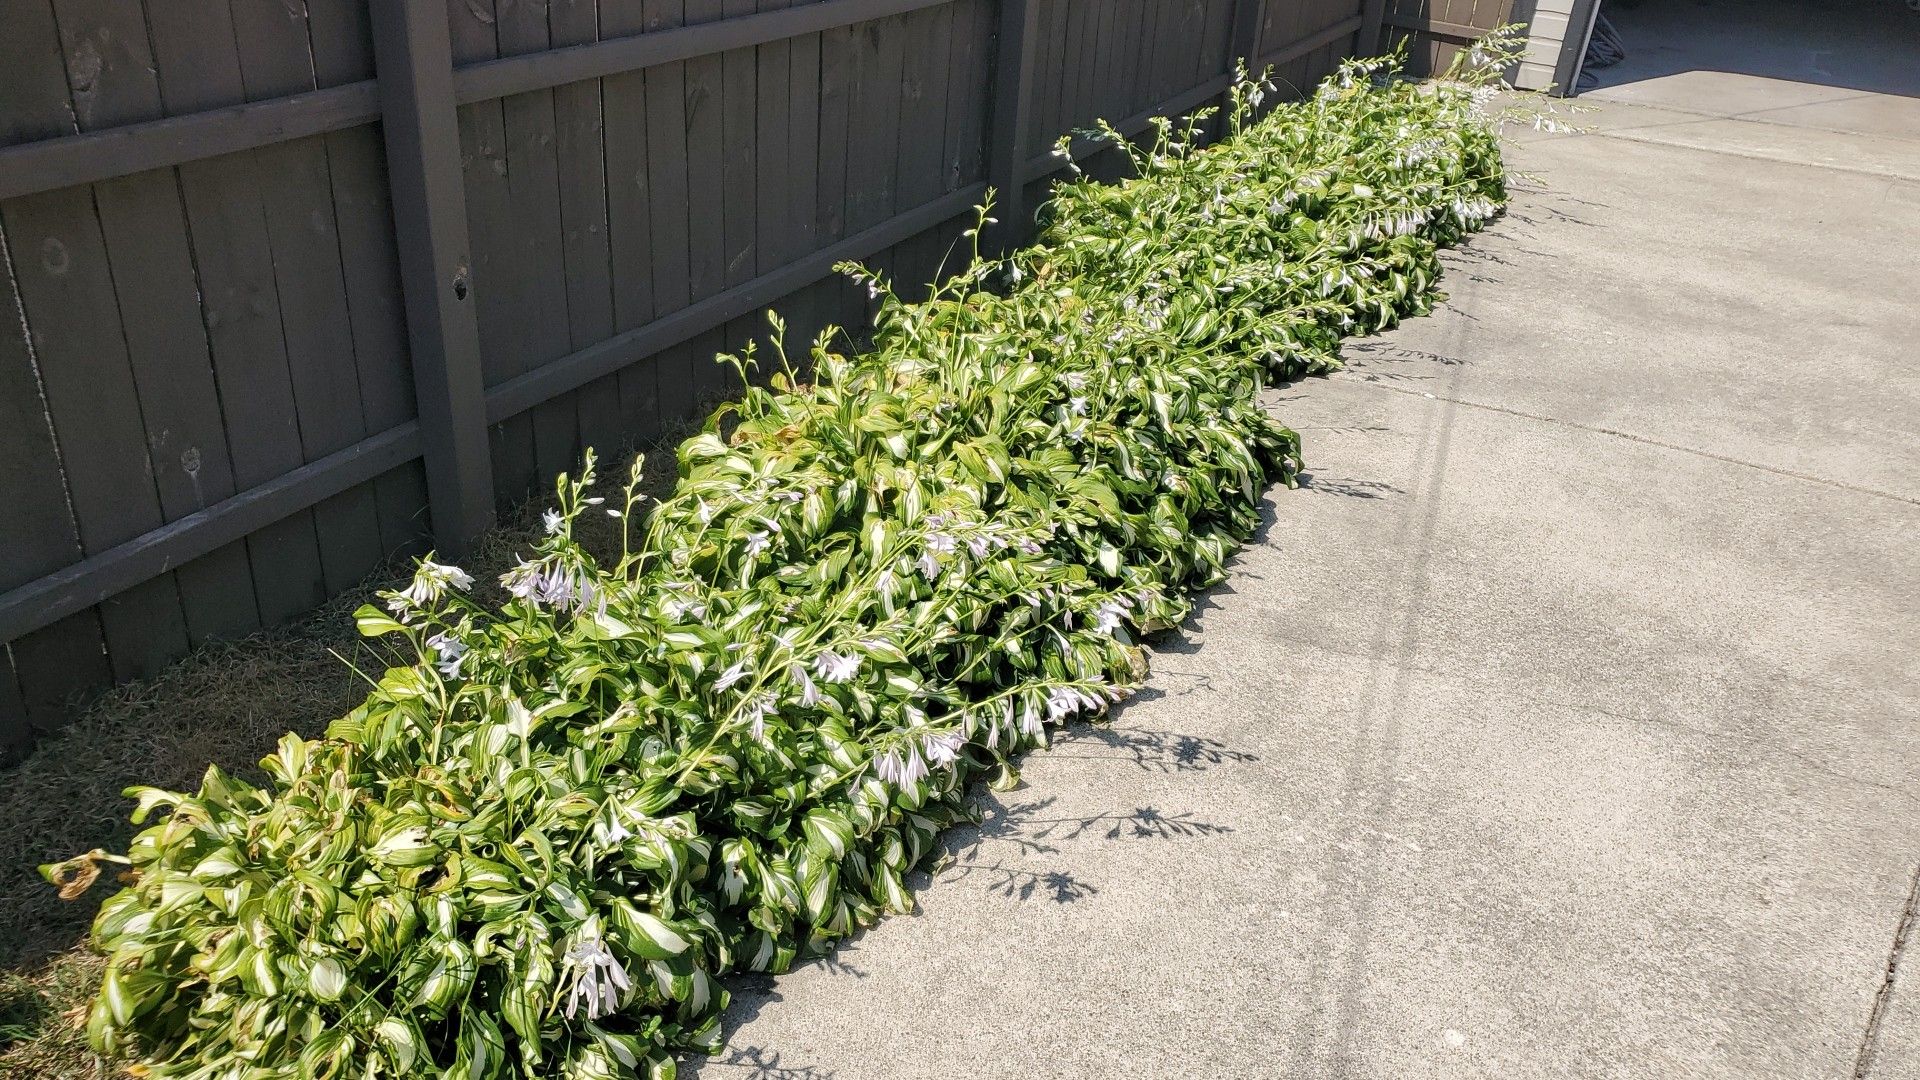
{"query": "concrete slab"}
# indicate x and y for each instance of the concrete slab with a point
(1564, 724)
(1861, 114)
(1717, 92)
(1740, 307)
(1789, 143)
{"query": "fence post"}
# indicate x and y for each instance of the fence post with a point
(1012, 117)
(1249, 16)
(415, 61)
(1372, 14)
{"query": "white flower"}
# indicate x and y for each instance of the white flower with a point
(901, 772)
(524, 581)
(757, 712)
(809, 692)
(677, 608)
(730, 676)
(757, 543)
(600, 978)
(942, 750)
(1062, 703)
(1030, 724)
(617, 831)
(1077, 406)
(941, 543)
(450, 652)
(553, 521)
(836, 668)
(430, 583)
(1106, 618)
(929, 566)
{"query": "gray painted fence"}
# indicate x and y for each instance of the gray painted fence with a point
(293, 287)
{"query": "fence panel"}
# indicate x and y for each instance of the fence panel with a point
(1434, 31)
(253, 329)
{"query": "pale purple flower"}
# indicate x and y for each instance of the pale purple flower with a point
(942, 750)
(730, 676)
(553, 522)
(1030, 724)
(757, 542)
(942, 543)
(1106, 618)
(929, 566)
(1062, 703)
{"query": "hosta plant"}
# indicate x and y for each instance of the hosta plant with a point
(555, 824)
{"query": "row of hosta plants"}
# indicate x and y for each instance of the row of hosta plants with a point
(536, 847)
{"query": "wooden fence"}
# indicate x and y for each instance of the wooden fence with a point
(293, 286)
(1433, 31)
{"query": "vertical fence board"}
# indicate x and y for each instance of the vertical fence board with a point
(70, 309)
(200, 67)
(836, 105)
(706, 205)
(580, 147)
(808, 313)
(53, 663)
(634, 105)
(921, 139)
(739, 178)
(535, 239)
(668, 118)
(276, 58)
(497, 273)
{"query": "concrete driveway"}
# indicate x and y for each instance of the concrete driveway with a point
(1563, 724)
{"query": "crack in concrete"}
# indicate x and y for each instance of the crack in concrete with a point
(1792, 474)
(1882, 998)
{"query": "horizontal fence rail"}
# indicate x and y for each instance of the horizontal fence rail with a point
(500, 244)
